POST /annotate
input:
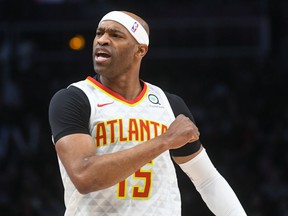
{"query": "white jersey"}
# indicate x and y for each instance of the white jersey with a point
(117, 124)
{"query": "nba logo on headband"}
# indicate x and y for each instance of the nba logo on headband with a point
(134, 27)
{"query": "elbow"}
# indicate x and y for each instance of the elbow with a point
(85, 185)
(82, 186)
(83, 189)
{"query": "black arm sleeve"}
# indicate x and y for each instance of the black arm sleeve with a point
(69, 112)
(179, 107)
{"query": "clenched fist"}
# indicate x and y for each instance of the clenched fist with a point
(181, 131)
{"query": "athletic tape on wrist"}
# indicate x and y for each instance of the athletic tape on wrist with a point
(133, 26)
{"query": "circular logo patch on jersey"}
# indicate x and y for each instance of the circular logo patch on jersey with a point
(153, 99)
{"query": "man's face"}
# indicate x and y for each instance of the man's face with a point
(113, 49)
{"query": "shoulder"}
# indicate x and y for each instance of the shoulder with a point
(174, 99)
(71, 92)
(68, 97)
(176, 102)
(178, 105)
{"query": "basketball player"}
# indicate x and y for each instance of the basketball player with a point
(114, 135)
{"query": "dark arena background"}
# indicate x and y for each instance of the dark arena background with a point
(227, 59)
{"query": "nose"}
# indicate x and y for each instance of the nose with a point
(102, 39)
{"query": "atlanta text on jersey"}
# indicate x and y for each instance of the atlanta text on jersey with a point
(126, 130)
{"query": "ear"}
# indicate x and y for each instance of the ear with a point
(142, 49)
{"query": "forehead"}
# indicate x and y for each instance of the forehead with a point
(108, 25)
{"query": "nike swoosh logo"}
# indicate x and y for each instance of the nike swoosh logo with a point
(104, 104)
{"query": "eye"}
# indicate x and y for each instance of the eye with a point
(99, 33)
(115, 35)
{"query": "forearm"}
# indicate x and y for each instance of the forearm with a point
(99, 172)
(90, 172)
(214, 189)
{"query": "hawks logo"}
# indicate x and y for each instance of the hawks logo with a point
(134, 27)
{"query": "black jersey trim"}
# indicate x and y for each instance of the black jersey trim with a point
(69, 113)
(179, 107)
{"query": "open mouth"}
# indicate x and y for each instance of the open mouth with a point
(102, 56)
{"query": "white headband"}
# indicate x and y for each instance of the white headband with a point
(134, 27)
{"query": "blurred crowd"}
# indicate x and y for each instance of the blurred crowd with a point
(240, 106)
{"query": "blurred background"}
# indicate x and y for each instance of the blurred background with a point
(227, 59)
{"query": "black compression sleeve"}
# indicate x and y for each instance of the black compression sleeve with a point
(179, 107)
(69, 112)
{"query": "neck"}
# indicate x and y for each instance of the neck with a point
(129, 88)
